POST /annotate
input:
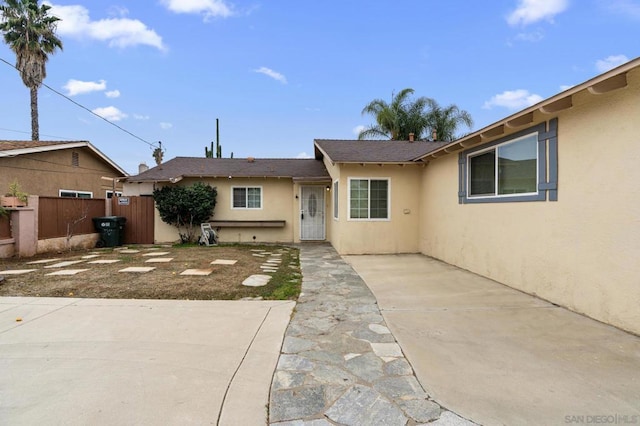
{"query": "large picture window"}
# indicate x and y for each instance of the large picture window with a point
(368, 198)
(247, 197)
(519, 167)
(70, 193)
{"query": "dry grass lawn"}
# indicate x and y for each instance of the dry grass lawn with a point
(165, 281)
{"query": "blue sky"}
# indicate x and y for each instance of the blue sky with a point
(279, 74)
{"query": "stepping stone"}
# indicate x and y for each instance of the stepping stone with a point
(201, 272)
(90, 256)
(104, 261)
(379, 329)
(386, 349)
(257, 280)
(37, 262)
(17, 271)
(274, 261)
(67, 272)
(268, 267)
(138, 269)
(157, 253)
(159, 260)
(258, 255)
(224, 262)
(64, 264)
(127, 251)
(257, 250)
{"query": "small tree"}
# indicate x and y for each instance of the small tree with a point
(186, 207)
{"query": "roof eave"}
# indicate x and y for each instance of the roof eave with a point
(603, 83)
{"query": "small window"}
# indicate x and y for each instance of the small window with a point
(335, 199)
(74, 194)
(110, 194)
(246, 197)
(75, 159)
(368, 199)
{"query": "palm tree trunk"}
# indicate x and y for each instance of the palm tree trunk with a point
(35, 129)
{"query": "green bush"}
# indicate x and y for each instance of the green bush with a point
(186, 207)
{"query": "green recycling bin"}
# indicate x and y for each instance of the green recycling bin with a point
(111, 230)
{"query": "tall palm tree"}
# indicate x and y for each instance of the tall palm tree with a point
(396, 120)
(444, 122)
(29, 31)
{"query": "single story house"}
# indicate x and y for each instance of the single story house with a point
(545, 200)
(58, 169)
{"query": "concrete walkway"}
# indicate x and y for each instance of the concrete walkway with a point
(340, 364)
(145, 362)
(498, 356)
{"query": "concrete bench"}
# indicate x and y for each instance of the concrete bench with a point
(247, 223)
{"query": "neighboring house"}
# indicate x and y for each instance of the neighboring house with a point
(58, 169)
(546, 200)
(258, 200)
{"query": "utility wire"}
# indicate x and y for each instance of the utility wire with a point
(84, 107)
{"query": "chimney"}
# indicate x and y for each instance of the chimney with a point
(142, 167)
(434, 135)
(411, 137)
(250, 159)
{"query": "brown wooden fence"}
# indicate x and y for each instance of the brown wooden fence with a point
(5, 228)
(58, 216)
(139, 212)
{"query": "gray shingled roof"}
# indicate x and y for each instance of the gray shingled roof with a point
(11, 145)
(379, 151)
(236, 167)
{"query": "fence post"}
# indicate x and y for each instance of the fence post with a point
(24, 224)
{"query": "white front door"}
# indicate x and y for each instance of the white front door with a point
(312, 226)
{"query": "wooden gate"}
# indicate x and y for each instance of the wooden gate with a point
(139, 212)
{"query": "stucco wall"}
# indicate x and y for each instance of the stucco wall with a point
(55, 172)
(278, 203)
(399, 234)
(580, 252)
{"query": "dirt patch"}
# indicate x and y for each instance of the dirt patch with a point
(103, 280)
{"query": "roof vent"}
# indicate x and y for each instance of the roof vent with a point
(412, 137)
(250, 159)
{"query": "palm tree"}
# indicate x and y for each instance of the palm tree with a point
(396, 120)
(444, 122)
(29, 31)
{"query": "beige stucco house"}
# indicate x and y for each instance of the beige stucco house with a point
(58, 169)
(546, 200)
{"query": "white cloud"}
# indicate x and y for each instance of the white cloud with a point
(166, 126)
(303, 155)
(77, 87)
(532, 37)
(273, 74)
(208, 8)
(356, 130)
(140, 117)
(110, 113)
(112, 94)
(610, 62)
(117, 32)
(628, 8)
(530, 11)
(513, 99)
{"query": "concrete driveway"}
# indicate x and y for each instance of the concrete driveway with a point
(497, 356)
(89, 361)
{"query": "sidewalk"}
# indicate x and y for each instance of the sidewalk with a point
(340, 364)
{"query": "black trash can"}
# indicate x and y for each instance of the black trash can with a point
(111, 230)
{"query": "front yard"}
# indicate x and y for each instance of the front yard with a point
(100, 273)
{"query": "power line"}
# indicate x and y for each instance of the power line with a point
(84, 107)
(25, 132)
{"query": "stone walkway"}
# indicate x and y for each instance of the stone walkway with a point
(340, 364)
